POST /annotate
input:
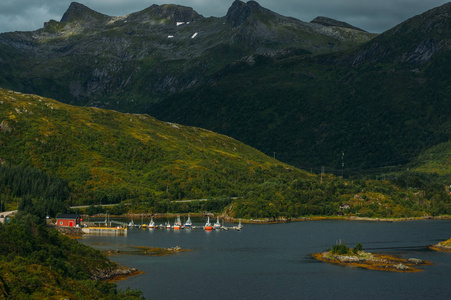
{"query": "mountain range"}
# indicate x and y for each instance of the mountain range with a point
(323, 93)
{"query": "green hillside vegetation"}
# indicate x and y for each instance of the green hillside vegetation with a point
(39, 263)
(32, 188)
(103, 156)
(435, 160)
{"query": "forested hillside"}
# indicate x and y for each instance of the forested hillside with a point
(39, 263)
(53, 152)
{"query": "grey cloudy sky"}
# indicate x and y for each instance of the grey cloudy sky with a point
(371, 15)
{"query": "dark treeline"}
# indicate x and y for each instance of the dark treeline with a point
(33, 190)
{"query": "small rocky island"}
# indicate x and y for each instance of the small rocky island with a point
(442, 246)
(151, 251)
(343, 255)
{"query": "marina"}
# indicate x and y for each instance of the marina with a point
(120, 226)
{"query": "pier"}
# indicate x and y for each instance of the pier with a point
(105, 230)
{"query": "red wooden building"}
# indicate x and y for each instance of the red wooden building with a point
(68, 220)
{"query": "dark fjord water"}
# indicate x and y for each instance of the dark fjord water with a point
(273, 261)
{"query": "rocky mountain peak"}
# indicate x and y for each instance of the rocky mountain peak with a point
(79, 12)
(332, 22)
(240, 11)
(172, 12)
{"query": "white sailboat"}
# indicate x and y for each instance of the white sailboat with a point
(239, 226)
(217, 224)
(208, 224)
(151, 223)
(188, 223)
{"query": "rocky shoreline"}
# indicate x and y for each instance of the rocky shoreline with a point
(371, 261)
(117, 274)
(151, 251)
(442, 246)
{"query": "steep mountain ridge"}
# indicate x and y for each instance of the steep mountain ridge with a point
(414, 41)
(130, 61)
(78, 12)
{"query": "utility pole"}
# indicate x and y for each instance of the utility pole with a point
(342, 163)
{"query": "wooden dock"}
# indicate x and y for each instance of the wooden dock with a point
(105, 230)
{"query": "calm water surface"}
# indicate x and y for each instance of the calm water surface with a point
(273, 261)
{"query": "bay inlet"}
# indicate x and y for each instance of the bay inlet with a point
(273, 261)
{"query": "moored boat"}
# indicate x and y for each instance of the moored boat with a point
(188, 223)
(177, 223)
(208, 225)
(151, 223)
(239, 226)
(217, 225)
(168, 226)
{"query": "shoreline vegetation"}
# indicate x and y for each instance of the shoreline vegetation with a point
(274, 221)
(356, 257)
(36, 261)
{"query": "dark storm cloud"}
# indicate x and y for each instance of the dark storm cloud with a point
(371, 15)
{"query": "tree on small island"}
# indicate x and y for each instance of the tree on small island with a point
(343, 255)
(342, 249)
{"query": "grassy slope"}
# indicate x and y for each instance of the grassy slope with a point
(111, 157)
(435, 160)
(102, 152)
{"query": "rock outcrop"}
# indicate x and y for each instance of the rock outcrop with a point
(101, 274)
(332, 22)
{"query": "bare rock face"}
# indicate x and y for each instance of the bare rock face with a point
(5, 127)
(101, 274)
(332, 22)
(240, 11)
(79, 12)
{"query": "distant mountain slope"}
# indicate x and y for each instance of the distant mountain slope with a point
(415, 41)
(381, 104)
(127, 62)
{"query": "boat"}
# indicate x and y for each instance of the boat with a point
(239, 226)
(208, 225)
(144, 225)
(188, 223)
(168, 226)
(131, 224)
(177, 223)
(217, 225)
(151, 223)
